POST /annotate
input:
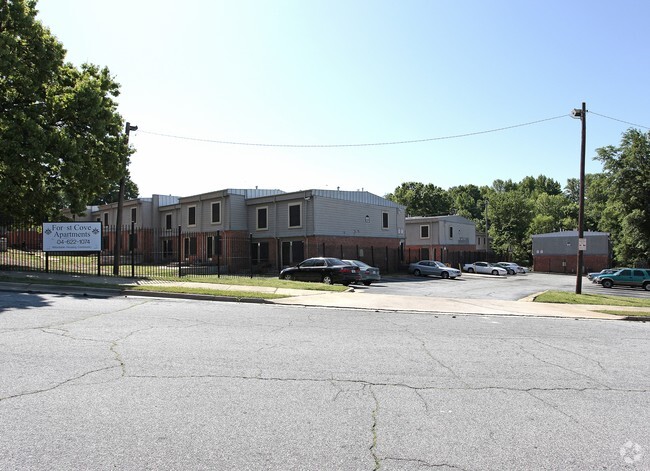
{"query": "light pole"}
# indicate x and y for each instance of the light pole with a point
(582, 115)
(487, 237)
(120, 204)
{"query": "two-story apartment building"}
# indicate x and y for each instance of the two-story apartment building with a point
(278, 228)
(436, 237)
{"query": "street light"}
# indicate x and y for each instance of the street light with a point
(581, 114)
(120, 204)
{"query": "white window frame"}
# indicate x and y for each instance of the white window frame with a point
(257, 218)
(171, 221)
(385, 216)
(289, 215)
(212, 205)
(188, 216)
(428, 236)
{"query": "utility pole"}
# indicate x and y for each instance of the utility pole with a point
(120, 204)
(487, 237)
(582, 115)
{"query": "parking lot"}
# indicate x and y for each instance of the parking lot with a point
(510, 288)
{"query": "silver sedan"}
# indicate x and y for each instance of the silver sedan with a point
(433, 267)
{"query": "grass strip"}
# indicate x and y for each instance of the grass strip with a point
(209, 292)
(565, 297)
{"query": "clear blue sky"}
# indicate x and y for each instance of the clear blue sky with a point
(336, 72)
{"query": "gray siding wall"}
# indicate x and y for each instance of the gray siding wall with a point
(345, 218)
(568, 245)
(236, 214)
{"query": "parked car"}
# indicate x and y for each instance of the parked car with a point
(368, 273)
(509, 270)
(513, 266)
(635, 277)
(605, 271)
(433, 267)
(323, 269)
(485, 267)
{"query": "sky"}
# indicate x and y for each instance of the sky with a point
(310, 94)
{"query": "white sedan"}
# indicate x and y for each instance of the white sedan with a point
(485, 267)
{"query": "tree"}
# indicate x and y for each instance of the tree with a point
(627, 171)
(510, 215)
(61, 139)
(421, 199)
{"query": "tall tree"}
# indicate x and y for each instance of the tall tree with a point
(627, 169)
(61, 138)
(421, 199)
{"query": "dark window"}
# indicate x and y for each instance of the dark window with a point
(294, 215)
(168, 221)
(106, 219)
(262, 222)
(626, 272)
(209, 247)
(384, 220)
(216, 213)
(260, 252)
(191, 215)
(451, 232)
(638, 273)
(190, 246)
(424, 232)
(134, 212)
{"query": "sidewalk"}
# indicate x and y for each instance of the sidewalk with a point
(351, 299)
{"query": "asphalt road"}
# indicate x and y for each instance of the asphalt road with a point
(510, 288)
(143, 383)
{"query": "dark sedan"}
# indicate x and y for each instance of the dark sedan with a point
(323, 269)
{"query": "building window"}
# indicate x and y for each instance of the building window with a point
(190, 246)
(294, 215)
(384, 220)
(262, 218)
(451, 232)
(168, 221)
(133, 241)
(191, 216)
(424, 232)
(216, 213)
(134, 212)
(209, 248)
(106, 219)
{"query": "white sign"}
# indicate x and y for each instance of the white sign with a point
(582, 244)
(72, 236)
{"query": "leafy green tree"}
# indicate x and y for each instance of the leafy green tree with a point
(541, 184)
(627, 173)
(61, 138)
(510, 215)
(467, 201)
(421, 199)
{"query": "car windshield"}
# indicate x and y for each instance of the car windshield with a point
(440, 264)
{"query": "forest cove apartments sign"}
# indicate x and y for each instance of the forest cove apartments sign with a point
(72, 236)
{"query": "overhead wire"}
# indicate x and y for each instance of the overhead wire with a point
(619, 120)
(369, 144)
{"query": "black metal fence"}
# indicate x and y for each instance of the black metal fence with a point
(164, 253)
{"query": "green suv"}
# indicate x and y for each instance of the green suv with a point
(627, 277)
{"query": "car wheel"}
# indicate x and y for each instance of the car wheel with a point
(494, 272)
(345, 283)
(288, 277)
(470, 270)
(444, 275)
(367, 283)
(646, 286)
(416, 272)
(327, 279)
(607, 283)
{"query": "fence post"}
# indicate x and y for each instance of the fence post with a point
(132, 249)
(218, 249)
(99, 263)
(47, 262)
(180, 272)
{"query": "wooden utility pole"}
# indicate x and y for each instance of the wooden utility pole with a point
(582, 114)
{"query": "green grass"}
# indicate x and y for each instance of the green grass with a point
(271, 282)
(209, 292)
(565, 297)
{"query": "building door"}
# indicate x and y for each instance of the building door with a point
(293, 252)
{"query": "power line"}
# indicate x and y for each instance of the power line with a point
(619, 120)
(391, 143)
